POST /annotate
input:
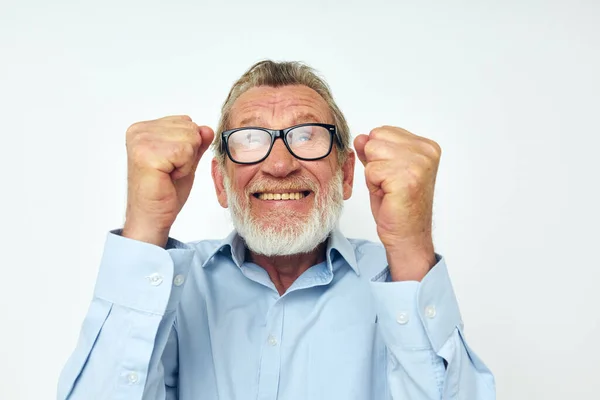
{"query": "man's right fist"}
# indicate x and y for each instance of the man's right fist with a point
(162, 156)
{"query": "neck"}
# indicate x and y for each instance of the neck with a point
(284, 270)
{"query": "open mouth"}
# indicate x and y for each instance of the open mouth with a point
(282, 195)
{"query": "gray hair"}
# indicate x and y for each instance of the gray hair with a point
(277, 74)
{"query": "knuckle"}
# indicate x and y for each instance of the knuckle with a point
(197, 141)
(184, 124)
(182, 151)
(416, 174)
(175, 152)
(378, 150)
(175, 118)
(188, 150)
(435, 148)
(134, 129)
(135, 140)
(412, 184)
(431, 149)
(191, 125)
(369, 147)
(194, 136)
(377, 133)
(189, 141)
(371, 170)
(384, 131)
(140, 154)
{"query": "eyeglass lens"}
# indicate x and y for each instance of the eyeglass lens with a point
(251, 145)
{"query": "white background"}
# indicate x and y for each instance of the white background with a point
(509, 90)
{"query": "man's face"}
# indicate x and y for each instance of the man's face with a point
(321, 185)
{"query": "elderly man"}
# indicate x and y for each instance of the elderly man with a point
(285, 307)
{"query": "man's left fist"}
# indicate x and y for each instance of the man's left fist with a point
(400, 171)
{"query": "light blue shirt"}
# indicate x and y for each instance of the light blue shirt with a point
(198, 322)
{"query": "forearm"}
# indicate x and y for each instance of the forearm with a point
(128, 323)
(421, 326)
(116, 360)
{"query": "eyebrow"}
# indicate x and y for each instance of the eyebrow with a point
(299, 119)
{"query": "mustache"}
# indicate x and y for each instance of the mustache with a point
(294, 184)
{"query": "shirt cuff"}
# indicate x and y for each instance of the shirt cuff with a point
(143, 276)
(417, 315)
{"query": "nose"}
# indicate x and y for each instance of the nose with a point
(280, 162)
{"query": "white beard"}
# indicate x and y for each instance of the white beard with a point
(287, 233)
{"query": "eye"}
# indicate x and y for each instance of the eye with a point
(300, 135)
(249, 138)
(253, 137)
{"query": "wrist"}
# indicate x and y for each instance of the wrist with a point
(145, 234)
(410, 261)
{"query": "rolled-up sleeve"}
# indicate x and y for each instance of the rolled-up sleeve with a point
(128, 322)
(422, 328)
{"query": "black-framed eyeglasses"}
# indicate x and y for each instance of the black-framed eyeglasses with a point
(251, 145)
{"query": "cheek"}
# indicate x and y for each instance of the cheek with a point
(240, 177)
(323, 176)
(239, 185)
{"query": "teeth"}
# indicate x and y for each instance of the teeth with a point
(281, 196)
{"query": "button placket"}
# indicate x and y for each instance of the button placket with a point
(178, 280)
(132, 378)
(270, 360)
(155, 279)
(272, 340)
(402, 317)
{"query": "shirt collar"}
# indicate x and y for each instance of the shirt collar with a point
(337, 241)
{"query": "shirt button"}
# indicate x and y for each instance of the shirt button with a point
(402, 318)
(132, 377)
(178, 281)
(155, 279)
(430, 311)
(272, 340)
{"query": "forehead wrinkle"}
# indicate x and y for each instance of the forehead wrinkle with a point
(279, 106)
(299, 118)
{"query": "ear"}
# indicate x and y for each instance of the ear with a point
(217, 174)
(348, 171)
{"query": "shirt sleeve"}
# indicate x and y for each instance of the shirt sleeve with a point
(129, 323)
(421, 326)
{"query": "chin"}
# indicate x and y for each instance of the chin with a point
(284, 223)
